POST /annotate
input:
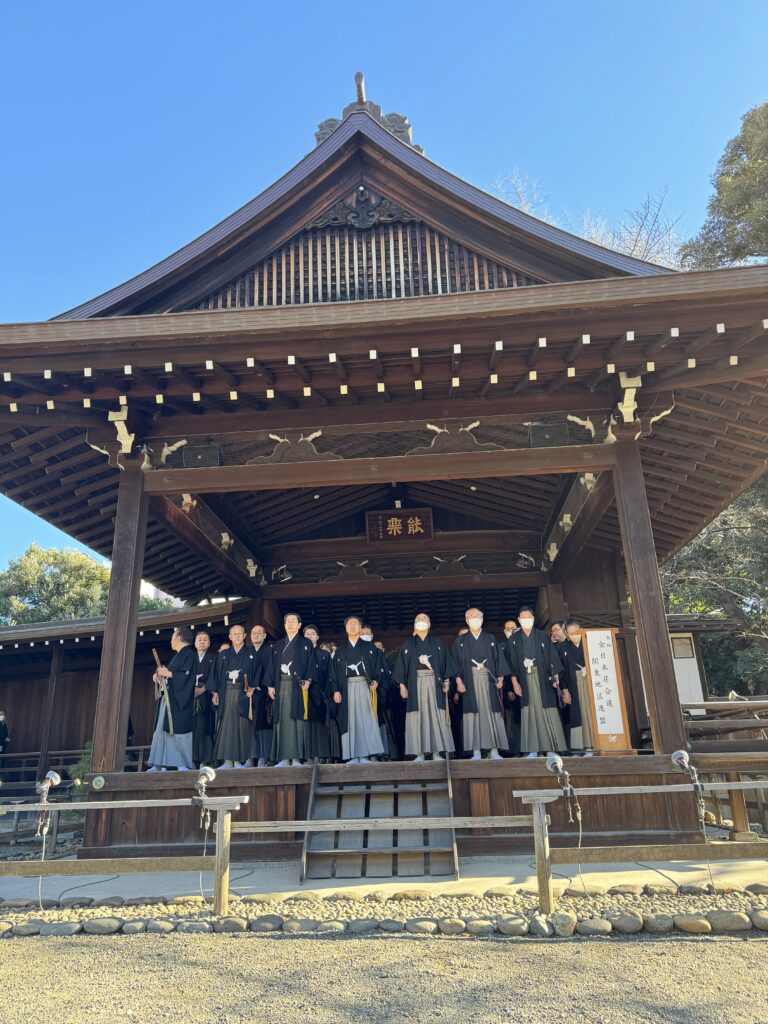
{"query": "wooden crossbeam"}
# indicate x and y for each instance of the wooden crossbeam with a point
(194, 529)
(678, 852)
(384, 824)
(410, 585)
(570, 544)
(452, 466)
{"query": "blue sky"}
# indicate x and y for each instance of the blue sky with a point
(131, 128)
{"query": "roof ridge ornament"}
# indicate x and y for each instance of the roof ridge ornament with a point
(396, 124)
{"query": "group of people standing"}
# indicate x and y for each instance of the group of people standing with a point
(296, 700)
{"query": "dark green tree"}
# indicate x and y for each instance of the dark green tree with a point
(736, 228)
(725, 571)
(44, 585)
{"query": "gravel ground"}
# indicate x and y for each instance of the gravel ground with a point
(219, 979)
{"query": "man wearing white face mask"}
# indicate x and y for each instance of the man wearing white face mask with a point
(481, 669)
(535, 666)
(423, 669)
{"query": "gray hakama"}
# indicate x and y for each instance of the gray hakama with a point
(428, 729)
(318, 740)
(484, 729)
(169, 751)
(290, 736)
(235, 740)
(581, 735)
(540, 727)
(364, 736)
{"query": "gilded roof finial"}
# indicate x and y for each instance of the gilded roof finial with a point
(360, 86)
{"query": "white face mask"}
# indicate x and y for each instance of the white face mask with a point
(526, 623)
(2, 718)
(475, 623)
(421, 626)
(507, 632)
(366, 636)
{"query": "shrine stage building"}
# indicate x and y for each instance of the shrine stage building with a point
(376, 389)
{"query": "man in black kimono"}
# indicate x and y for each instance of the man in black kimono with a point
(256, 705)
(357, 673)
(235, 668)
(423, 673)
(320, 723)
(481, 667)
(172, 738)
(513, 708)
(5, 735)
(294, 674)
(575, 688)
(204, 729)
(535, 667)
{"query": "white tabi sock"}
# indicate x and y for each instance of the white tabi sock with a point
(418, 759)
(534, 754)
(182, 768)
(476, 756)
(365, 760)
(262, 762)
(227, 764)
(296, 763)
(283, 764)
(494, 755)
(438, 757)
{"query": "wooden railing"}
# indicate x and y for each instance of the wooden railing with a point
(546, 855)
(218, 863)
(20, 771)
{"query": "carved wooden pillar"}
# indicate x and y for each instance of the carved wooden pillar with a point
(113, 696)
(648, 608)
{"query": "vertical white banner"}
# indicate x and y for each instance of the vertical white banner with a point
(605, 682)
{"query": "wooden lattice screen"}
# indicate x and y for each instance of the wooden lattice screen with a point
(342, 263)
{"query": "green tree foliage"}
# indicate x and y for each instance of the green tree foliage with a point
(725, 571)
(736, 228)
(44, 585)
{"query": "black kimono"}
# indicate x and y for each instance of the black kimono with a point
(466, 651)
(204, 729)
(408, 664)
(574, 680)
(424, 667)
(538, 648)
(235, 740)
(299, 655)
(534, 662)
(181, 692)
(258, 709)
(372, 667)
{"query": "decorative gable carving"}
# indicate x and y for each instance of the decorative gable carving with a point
(364, 247)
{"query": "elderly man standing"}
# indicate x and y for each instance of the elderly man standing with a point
(481, 669)
(172, 738)
(236, 668)
(423, 672)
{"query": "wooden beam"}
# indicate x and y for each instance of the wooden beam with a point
(597, 503)
(113, 696)
(411, 585)
(400, 469)
(194, 528)
(647, 600)
(719, 372)
(455, 542)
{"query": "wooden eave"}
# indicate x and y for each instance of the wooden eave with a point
(697, 459)
(360, 150)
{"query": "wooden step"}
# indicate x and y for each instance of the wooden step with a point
(391, 850)
(377, 787)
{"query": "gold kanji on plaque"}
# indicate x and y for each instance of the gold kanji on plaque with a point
(395, 526)
(414, 525)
